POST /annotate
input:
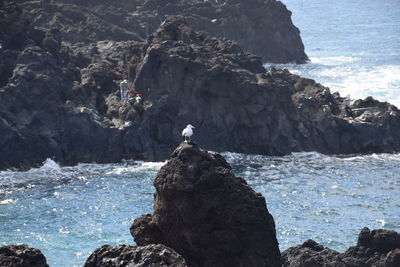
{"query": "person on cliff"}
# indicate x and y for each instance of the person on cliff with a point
(129, 94)
(138, 98)
(124, 87)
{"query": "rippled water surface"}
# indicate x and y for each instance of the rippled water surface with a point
(68, 212)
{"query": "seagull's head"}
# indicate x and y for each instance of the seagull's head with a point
(190, 126)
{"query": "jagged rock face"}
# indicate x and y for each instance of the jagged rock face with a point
(374, 248)
(41, 98)
(239, 107)
(190, 78)
(379, 240)
(263, 27)
(128, 256)
(62, 102)
(208, 215)
(329, 123)
(21, 256)
(37, 121)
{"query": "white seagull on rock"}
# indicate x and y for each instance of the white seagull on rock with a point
(188, 132)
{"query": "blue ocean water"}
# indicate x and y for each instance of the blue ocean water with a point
(354, 46)
(69, 212)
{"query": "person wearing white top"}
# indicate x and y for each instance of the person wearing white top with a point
(124, 90)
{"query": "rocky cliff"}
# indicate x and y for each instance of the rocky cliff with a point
(61, 101)
(263, 27)
(207, 214)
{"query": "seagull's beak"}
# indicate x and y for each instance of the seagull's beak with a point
(193, 127)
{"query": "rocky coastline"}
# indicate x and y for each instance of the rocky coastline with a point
(59, 96)
(21, 256)
(374, 248)
(204, 215)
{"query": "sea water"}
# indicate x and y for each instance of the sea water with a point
(354, 49)
(68, 212)
(353, 45)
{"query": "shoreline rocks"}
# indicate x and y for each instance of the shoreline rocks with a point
(124, 256)
(21, 256)
(374, 248)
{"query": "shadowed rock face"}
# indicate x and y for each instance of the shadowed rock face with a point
(374, 248)
(21, 256)
(62, 102)
(263, 27)
(238, 106)
(208, 215)
(126, 256)
(379, 240)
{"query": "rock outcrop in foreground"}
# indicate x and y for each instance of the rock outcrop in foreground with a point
(21, 256)
(207, 214)
(129, 256)
(374, 248)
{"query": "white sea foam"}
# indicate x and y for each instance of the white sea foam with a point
(354, 76)
(382, 222)
(333, 61)
(49, 163)
(121, 170)
(381, 82)
(7, 201)
(375, 157)
(143, 166)
(151, 165)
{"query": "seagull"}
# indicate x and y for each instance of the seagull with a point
(188, 132)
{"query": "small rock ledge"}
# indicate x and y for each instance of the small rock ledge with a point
(127, 256)
(374, 248)
(21, 256)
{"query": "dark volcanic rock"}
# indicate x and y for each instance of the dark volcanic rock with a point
(62, 101)
(239, 107)
(208, 215)
(128, 256)
(310, 253)
(263, 27)
(379, 240)
(374, 248)
(21, 256)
